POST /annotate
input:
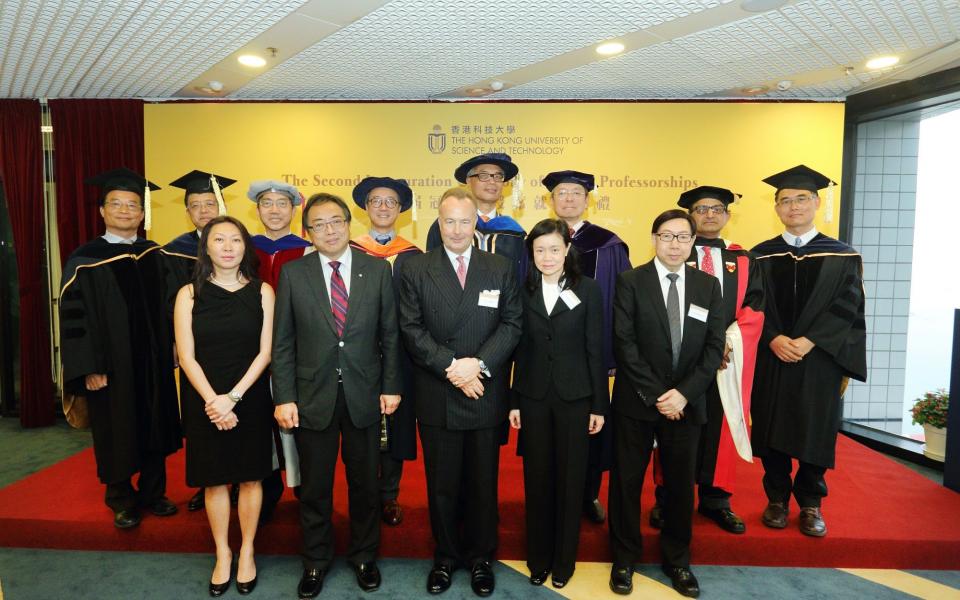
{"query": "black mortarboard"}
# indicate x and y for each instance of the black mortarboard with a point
(689, 197)
(198, 182)
(500, 159)
(554, 179)
(120, 179)
(369, 183)
(800, 177)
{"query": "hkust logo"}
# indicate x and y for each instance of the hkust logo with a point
(437, 141)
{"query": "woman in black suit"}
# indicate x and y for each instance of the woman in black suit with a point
(560, 396)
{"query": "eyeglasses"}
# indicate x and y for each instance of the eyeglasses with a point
(716, 209)
(795, 201)
(335, 224)
(575, 194)
(377, 202)
(498, 177)
(669, 236)
(200, 205)
(274, 203)
(117, 205)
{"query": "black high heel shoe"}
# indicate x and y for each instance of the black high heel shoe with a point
(218, 589)
(245, 587)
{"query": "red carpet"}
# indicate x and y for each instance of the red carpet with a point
(879, 513)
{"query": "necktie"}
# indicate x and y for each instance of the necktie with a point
(799, 243)
(462, 271)
(383, 240)
(706, 265)
(572, 231)
(485, 218)
(338, 297)
(673, 316)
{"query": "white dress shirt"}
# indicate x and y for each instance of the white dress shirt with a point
(345, 262)
(551, 293)
(791, 239)
(453, 257)
(116, 239)
(662, 271)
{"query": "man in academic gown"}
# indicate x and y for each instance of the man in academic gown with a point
(742, 287)
(814, 337)
(277, 204)
(384, 199)
(203, 203)
(602, 256)
(485, 176)
(116, 348)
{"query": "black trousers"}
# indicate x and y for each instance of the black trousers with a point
(709, 496)
(633, 443)
(151, 485)
(391, 470)
(318, 457)
(556, 446)
(462, 464)
(808, 486)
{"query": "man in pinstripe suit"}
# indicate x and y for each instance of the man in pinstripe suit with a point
(460, 314)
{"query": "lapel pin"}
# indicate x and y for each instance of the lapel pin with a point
(731, 267)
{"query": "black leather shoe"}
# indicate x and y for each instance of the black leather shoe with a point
(218, 589)
(559, 582)
(481, 578)
(594, 511)
(162, 507)
(310, 583)
(126, 519)
(439, 579)
(245, 587)
(775, 515)
(621, 580)
(391, 513)
(683, 581)
(368, 576)
(725, 518)
(656, 517)
(196, 502)
(811, 522)
(540, 577)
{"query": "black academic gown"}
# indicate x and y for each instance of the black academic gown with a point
(179, 260)
(113, 320)
(814, 291)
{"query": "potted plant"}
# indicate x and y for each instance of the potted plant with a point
(931, 412)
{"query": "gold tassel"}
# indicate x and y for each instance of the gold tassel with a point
(147, 212)
(828, 213)
(221, 207)
(413, 208)
(516, 191)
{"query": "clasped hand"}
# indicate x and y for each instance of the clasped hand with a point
(220, 412)
(671, 404)
(465, 374)
(791, 350)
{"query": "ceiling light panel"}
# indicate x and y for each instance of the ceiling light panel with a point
(111, 49)
(414, 49)
(801, 37)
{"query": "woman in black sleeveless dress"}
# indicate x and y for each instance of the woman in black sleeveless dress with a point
(223, 323)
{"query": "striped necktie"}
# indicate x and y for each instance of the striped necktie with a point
(338, 297)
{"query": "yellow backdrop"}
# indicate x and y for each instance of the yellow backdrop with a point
(643, 154)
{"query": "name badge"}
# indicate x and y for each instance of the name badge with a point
(489, 298)
(569, 298)
(698, 312)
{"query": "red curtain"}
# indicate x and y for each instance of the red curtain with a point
(21, 164)
(89, 137)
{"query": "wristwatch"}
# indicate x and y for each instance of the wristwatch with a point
(483, 367)
(235, 396)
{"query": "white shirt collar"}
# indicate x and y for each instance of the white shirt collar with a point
(577, 227)
(392, 234)
(116, 239)
(345, 259)
(662, 270)
(453, 255)
(490, 215)
(791, 239)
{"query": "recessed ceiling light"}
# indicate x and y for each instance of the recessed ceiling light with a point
(759, 6)
(882, 62)
(610, 48)
(251, 60)
(755, 89)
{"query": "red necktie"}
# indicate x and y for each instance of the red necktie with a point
(572, 231)
(485, 218)
(338, 297)
(706, 265)
(462, 271)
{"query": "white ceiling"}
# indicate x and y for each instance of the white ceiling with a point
(454, 49)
